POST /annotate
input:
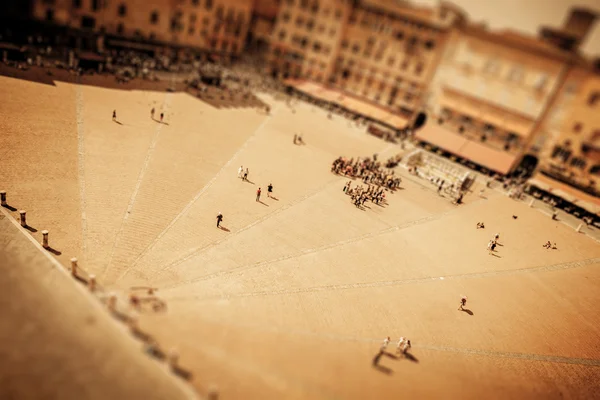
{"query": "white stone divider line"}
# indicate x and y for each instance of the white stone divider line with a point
(347, 338)
(93, 301)
(302, 253)
(149, 153)
(81, 163)
(246, 267)
(200, 249)
(200, 193)
(521, 356)
(395, 282)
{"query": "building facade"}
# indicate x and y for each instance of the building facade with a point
(218, 26)
(490, 93)
(389, 53)
(571, 155)
(306, 38)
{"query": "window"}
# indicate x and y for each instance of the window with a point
(429, 44)
(399, 35)
(95, 5)
(338, 13)
(88, 22)
(516, 74)
(491, 66)
(192, 18)
(122, 10)
(154, 17)
(391, 61)
(190, 31)
(419, 68)
(577, 127)
(208, 4)
(344, 44)
(281, 35)
(49, 15)
(77, 4)
(195, 2)
(299, 21)
(541, 82)
(219, 12)
(404, 65)
(304, 3)
(315, 7)
(331, 31)
(310, 24)
(578, 162)
(594, 98)
(224, 46)
(317, 46)
(355, 48)
(321, 28)
(595, 170)
(120, 29)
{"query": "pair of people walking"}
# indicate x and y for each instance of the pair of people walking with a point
(269, 192)
(243, 175)
(162, 115)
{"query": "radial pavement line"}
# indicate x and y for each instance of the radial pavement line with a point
(396, 282)
(198, 250)
(198, 195)
(247, 267)
(81, 162)
(149, 153)
(347, 338)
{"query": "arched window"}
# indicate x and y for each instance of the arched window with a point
(122, 10)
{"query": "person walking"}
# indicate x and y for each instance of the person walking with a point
(246, 175)
(385, 344)
(463, 302)
(162, 115)
(258, 195)
(269, 190)
(240, 171)
(219, 219)
(152, 113)
(406, 347)
(489, 246)
(114, 115)
(400, 344)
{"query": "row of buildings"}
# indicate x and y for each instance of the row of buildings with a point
(500, 99)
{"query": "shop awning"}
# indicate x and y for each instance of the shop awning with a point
(569, 193)
(495, 160)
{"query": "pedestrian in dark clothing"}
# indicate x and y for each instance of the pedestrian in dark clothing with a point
(162, 115)
(269, 190)
(258, 195)
(114, 115)
(219, 219)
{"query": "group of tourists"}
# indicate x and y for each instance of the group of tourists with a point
(359, 194)
(369, 170)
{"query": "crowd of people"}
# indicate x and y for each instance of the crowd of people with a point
(369, 170)
(376, 179)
